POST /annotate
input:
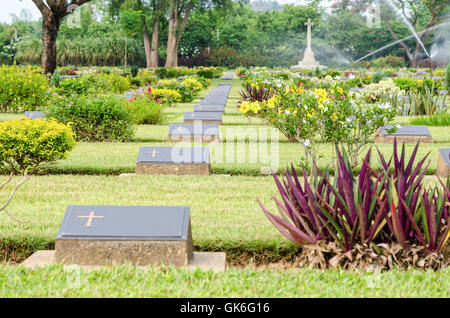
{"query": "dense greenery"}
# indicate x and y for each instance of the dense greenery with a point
(93, 119)
(231, 36)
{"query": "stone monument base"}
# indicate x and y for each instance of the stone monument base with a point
(203, 169)
(215, 261)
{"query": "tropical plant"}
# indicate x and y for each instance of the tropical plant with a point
(391, 206)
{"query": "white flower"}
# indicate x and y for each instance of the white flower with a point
(398, 126)
(358, 95)
(307, 143)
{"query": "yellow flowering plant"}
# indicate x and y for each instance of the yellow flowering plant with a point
(164, 95)
(330, 114)
(25, 144)
(22, 88)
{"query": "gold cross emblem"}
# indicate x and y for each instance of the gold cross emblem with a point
(154, 152)
(90, 217)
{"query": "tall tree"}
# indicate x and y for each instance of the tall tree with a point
(152, 11)
(179, 13)
(419, 15)
(53, 11)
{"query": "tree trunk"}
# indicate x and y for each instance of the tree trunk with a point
(50, 27)
(125, 62)
(172, 43)
(154, 57)
(147, 48)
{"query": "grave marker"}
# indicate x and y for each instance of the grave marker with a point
(209, 108)
(193, 132)
(443, 163)
(405, 133)
(173, 160)
(205, 117)
(136, 235)
(140, 235)
(227, 77)
(34, 115)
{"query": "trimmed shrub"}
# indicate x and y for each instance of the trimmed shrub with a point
(22, 89)
(145, 112)
(94, 84)
(94, 119)
(26, 144)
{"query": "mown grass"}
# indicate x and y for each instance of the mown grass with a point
(224, 212)
(433, 120)
(126, 281)
(225, 217)
(115, 158)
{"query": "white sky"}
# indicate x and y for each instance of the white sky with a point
(15, 6)
(7, 7)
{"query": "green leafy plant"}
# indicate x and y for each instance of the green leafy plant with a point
(442, 119)
(94, 119)
(26, 144)
(145, 111)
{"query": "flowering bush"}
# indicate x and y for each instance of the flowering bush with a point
(382, 89)
(26, 144)
(331, 115)
(22, 89)
(208, 72)
(164, 95)
(193, 84)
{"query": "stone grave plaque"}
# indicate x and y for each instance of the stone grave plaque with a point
(34, 115)
(443, 163)
(214, 101)
(227, 77)
(193, 132)
(406, 133)
(205, 117)
(173, 161)
(209, 108)
(140, 235)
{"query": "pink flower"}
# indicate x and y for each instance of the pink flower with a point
(149, 90)
(342, 96)
(158, 100)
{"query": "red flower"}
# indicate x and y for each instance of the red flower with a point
(149, 90)
(158, 100)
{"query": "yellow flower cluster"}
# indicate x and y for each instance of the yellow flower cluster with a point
(166, 95)
(193, 84)
(272, 102)
(167, 81)
(246, 107)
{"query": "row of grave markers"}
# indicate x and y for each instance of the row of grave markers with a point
(201, 125)
(96, 236)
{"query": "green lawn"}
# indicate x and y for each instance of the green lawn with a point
(124, 281)
(225, 217)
